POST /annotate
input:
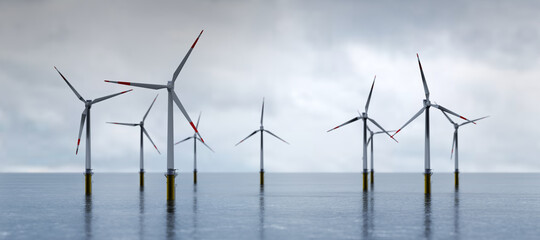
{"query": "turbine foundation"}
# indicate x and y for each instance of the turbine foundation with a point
(372, 177)
(88, 182)
(427, 181)
(456, 178)
(262, 177)
(171, 175)
(365, 180)
(195, 176)
(141, 178)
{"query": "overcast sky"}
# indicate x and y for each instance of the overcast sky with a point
(313, 61)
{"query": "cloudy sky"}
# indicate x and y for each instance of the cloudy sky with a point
(313, 61)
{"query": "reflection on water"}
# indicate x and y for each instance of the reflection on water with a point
(261, 213)
(195, 211)
(367, 215)
(141, 212)
(456, 213)
(171, 208)
(427, 216)
(88, 217)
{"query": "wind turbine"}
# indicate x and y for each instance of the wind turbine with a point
(370, 140)
(172, 97)
(143, 130)
(261, 129)
(195, 139)
(85, 117)
(364, 117)
(455, 144)
(427, 105)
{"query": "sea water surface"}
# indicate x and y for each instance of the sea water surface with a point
(290, 206)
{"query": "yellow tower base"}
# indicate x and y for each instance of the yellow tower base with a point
(365, 180)
(170, 187)
(88, 183)
(195, 176)
(262, 177)
(427, 182)
(456, 178)
(141, 178)
(372, 176)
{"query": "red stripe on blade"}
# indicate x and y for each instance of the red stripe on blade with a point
(193, 126)
(192, 46)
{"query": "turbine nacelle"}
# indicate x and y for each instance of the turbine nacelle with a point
(427, 103)
(170, 85)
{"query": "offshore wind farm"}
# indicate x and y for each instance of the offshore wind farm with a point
(311, 65)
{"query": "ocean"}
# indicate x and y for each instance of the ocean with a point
(290, 206)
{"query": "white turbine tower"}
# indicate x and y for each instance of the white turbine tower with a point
(195, 139)
(427, 105)
(370, 140)
(143, 131)
(364, 117)
(85, 118)
(172, 97)
(261, 129)
(455, 144)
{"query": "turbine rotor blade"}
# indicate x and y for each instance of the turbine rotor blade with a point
(451, 112)
(370, 91)
(350, 121)
(206, 145)
(379, 126)
(109, 96)
(379, 132)
(179, 105)
(472, 121)
(125, 124)
(149, 138)
(151, 105)
(70, 86)
(407, 123)
(198, 119)
(183, 140)
(426, 90)
(253, 133)
(262, 112)
(143, 85)
(276, 136)
(446, 115)
(83, 119)
(175, 75)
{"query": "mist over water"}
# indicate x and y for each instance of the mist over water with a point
(289, 206)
